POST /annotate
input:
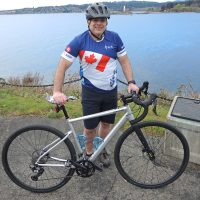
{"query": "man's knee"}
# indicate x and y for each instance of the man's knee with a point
(105, 125)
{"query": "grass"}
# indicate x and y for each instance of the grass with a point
(19, 101)
(27, 101)
(31, 101)
(16, 101)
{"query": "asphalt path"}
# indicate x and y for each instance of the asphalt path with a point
(106, 185)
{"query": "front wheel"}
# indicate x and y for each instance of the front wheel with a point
(22, 150)
(165, 161)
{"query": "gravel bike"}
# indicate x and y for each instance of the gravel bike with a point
(40, 158)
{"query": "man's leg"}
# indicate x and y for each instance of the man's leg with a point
(90, 105)
(90, 134)
(104, 129)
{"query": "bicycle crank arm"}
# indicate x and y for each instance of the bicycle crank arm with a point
(77, 165)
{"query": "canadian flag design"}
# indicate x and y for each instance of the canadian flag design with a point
(99, 60)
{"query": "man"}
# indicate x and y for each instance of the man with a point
(98, 50)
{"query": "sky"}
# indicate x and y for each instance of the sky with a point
(16, 4)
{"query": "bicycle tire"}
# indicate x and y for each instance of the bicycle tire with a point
(170, 149)
(22, 149)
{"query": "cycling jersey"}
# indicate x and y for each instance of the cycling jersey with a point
(98, 59)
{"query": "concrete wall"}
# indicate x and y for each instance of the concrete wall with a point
(191, 130)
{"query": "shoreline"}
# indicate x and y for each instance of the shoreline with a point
(112, 12)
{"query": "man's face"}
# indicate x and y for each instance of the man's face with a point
(97, 25)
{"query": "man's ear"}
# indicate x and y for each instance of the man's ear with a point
(88, 22)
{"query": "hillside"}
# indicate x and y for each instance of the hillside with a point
(181, 6)
(114, 6)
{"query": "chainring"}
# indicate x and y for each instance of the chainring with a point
(86, 170)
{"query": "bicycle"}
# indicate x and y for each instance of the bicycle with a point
(40, 158)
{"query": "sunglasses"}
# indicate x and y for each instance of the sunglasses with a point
(99, 19)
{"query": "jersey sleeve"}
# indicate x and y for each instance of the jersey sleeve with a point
(72, 50)
(121, 51)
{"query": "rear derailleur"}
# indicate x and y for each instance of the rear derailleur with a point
(38, 171)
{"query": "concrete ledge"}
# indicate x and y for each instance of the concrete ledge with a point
(190, 129)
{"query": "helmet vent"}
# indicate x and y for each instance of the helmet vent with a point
(94, 10)
(100, 9)
(106, 9)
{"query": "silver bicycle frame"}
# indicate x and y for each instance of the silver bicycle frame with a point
(127, 116)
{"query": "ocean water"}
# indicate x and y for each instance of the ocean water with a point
(163, 48)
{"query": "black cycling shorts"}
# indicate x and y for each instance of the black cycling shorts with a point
(94, 102)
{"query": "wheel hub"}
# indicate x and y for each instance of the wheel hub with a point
(36, 155)
(149, 154)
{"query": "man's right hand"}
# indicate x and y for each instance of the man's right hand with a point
(59, 97)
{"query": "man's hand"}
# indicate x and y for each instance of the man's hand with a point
(133, 87)
(59, 97)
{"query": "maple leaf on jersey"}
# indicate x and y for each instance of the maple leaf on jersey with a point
(90, 59)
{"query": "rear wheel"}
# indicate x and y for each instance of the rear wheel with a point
(166, 161)
(23, 148)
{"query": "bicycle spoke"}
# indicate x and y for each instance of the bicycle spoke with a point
(25, 149)
(156, 167)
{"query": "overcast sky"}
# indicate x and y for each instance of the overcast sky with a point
(15, 4)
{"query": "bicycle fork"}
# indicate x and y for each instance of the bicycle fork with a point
(145, 144)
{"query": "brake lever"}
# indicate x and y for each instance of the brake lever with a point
(144, 88)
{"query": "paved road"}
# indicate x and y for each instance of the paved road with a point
(106, 185)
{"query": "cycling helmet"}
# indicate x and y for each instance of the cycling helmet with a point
(97, 10)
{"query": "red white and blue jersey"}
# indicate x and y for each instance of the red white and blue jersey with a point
(98, 59)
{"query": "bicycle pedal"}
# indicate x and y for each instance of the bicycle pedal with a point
(99, 167)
